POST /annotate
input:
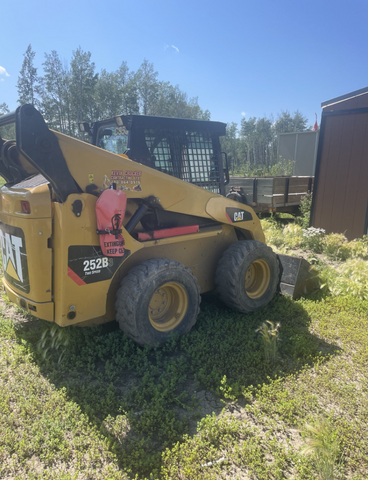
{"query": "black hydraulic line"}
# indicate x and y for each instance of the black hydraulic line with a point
(133, 222)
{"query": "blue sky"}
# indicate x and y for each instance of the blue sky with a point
(240, 58)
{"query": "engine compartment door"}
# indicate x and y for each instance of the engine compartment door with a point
(25, 239)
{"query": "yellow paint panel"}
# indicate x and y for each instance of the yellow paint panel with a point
(37, 230)
(169, 190)
(43, 310)
(216, 208)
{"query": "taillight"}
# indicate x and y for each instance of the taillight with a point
(25, 206)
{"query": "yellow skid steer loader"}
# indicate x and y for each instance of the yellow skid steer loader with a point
(89, 236)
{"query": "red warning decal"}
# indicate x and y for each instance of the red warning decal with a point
(76, 278)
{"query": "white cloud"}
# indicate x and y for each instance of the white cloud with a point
(3, 71)
(243, 114)
(171, 46)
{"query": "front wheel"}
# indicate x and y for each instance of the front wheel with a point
(247, 275)
(157, 297)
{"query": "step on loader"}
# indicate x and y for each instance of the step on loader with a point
(89, 236)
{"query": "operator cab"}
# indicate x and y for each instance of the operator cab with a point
(113, 138)
(184, 148)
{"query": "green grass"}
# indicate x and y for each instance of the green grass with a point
(112, 410)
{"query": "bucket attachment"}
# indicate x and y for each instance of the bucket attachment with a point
(298, 277)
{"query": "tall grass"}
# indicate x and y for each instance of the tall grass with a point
(321, 444)
(55, 340)
(270, 336)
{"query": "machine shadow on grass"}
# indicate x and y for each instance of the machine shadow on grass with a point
(145, 399)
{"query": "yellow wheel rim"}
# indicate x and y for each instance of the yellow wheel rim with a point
(168, 307)
(257, 279)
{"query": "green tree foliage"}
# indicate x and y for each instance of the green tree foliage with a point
(77, 93)
(83, 81)
(108, 96)
(7, 132)
(230, 145)
(172, 102)
(116, 93)
(253, 149)
(148, 86)
(287, 123)
(29, 84)
(259, 138)
(195, 110)
(4, 108)
(56, 99)
(129, 91)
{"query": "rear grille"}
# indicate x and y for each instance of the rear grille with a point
(34, 181)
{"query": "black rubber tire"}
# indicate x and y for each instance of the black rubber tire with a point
(137, 291)
(231, 275)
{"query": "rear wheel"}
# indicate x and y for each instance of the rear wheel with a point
(247, 275)
(157, 297)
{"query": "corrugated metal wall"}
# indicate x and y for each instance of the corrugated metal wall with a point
(301, 148)
(341, 185)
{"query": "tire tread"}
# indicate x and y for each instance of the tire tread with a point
(133, 284)
(230, 263)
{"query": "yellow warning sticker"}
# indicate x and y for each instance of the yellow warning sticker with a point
(90, 177)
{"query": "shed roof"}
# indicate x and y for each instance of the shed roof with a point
(356, 93)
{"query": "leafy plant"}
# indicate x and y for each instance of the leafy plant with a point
(117, 427)
(292, 235)
(351, 279)
(273, 233)
(305, 210)
(335, 246)
(281, 167)
(358, 248)
(226, 390)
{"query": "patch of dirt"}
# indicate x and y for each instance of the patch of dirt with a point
(16, 314)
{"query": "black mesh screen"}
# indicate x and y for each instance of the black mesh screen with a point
(160, 152)
(190, 156)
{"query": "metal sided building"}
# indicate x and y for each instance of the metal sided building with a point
(301, 148)
(340, 200)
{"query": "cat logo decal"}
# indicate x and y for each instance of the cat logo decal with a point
(235, 215)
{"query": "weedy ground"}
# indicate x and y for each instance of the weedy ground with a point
(212, 404)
